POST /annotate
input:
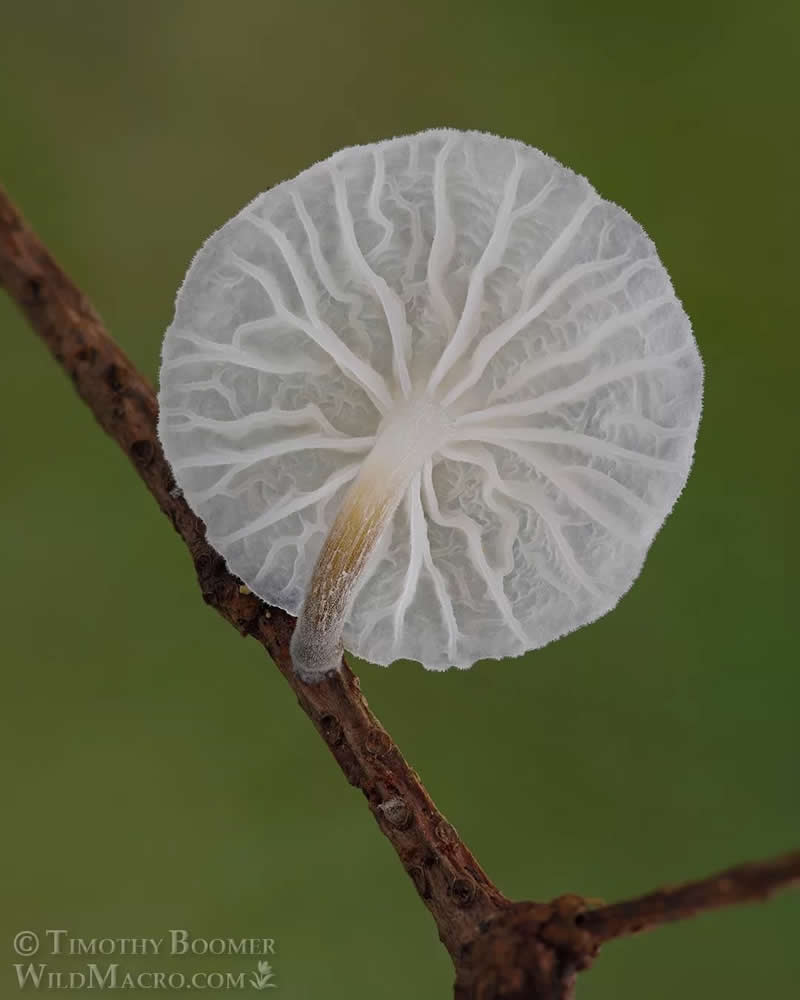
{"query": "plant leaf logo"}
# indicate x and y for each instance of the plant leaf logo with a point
(260, 980)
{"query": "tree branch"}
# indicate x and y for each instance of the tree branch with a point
(447, 877)
(500, 949)
(742, 884)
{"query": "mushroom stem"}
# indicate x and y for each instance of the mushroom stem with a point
(407, 438)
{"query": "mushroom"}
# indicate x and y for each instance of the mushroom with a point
(434, 396)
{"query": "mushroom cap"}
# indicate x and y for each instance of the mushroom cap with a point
(474, 276)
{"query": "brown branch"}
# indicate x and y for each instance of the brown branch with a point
(742, 884)
(500, 949)
(449, 880)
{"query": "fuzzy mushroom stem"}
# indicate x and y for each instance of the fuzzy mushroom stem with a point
(406, 439)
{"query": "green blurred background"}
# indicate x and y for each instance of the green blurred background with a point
(157, 772)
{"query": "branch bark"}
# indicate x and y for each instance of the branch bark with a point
(500, 949)
(449, 880)
(742, 884)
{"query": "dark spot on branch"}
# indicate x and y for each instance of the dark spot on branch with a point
(463, 891)
(420, 879)
(113, 378)
(143, 451)
(87, 355)
(331, 729)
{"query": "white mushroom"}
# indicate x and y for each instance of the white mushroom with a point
(435, 396)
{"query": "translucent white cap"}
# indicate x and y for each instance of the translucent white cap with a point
(504, 344)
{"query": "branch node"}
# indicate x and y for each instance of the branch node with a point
(396, 812)
(378, 743)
